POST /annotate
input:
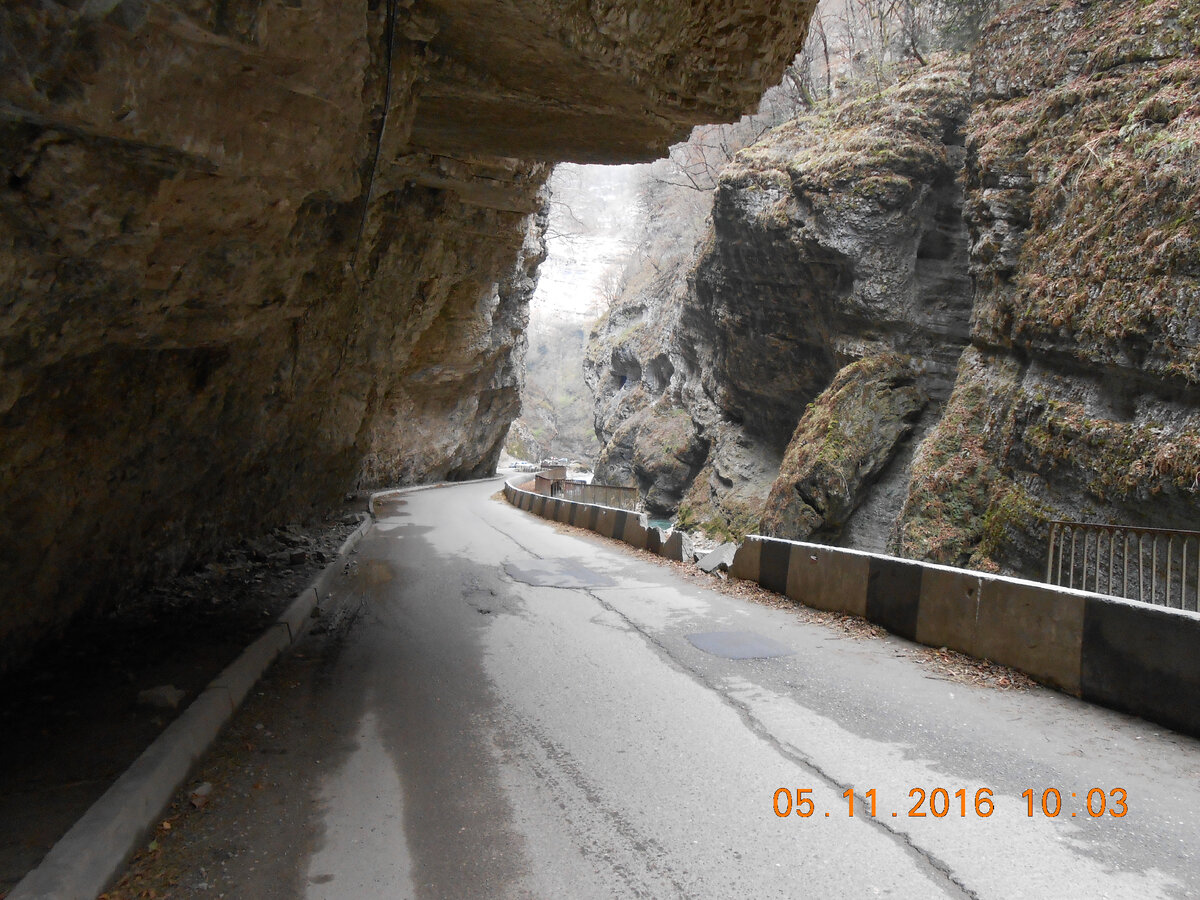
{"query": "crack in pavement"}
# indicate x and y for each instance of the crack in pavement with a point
(925, 858)
(794, 754)
(506, 534)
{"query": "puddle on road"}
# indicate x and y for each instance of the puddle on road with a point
(738, 645)
(375, 571)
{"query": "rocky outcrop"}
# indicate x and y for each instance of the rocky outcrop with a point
(448, 411)
(846, 438)
(836, 241)
(1053, 235)
(256, 254)
(630, 363)
(1079, 399)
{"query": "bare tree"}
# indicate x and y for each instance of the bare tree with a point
(809, 79)
(852, 43)
(915, 27)
(959, 23)
(697, 163)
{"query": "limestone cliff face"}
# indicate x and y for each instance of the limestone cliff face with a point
(838, 244)
(449, 408)
(836, 240)
(630, 365)
(256, 254)
(1079, 400)
(1052, 234)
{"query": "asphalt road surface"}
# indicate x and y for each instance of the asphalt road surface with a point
(495, 706)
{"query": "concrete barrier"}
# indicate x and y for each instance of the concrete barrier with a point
(1143, 660)
(636, 532)
(830, 578)
(1133, 657)
(676, 546)
(607, 521)
(655, 538)
(746, 559)
(1034, 627)
(894, 594)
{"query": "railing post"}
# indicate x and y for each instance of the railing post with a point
(1050, 554)
(1141, 570)
(1154, 570)
(1183, 577)
(1125, 569)
(1071, 567)
(1167, 590)
(1062, 546)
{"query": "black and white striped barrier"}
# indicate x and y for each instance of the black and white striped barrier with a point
(1129, 656)
(620, 524)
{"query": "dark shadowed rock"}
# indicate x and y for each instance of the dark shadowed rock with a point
(255, 256)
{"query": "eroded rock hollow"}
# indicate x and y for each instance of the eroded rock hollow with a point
(255, 254)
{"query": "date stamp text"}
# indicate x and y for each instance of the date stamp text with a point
(939, 803)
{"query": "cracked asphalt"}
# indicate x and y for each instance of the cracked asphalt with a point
(493, 706)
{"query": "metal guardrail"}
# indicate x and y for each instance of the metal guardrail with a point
(1151, 565)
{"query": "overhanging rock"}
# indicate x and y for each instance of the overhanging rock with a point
(245, 247)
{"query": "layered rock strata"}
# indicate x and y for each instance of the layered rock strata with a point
(1054, 233)
(257, 254)
(1079, 398)
(836, 245)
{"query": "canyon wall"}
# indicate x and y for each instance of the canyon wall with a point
(256, 254)
(932, 318)
(834, 240)
(1078, 398)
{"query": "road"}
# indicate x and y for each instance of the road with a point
(496, 706)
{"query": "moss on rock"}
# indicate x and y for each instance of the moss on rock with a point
(845, 439)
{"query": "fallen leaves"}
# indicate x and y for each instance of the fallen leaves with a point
(200, 794)
(959, 667)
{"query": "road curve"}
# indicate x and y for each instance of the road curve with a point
(495, 706)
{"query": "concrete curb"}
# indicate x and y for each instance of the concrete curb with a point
(417, 488)
(84, 860)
